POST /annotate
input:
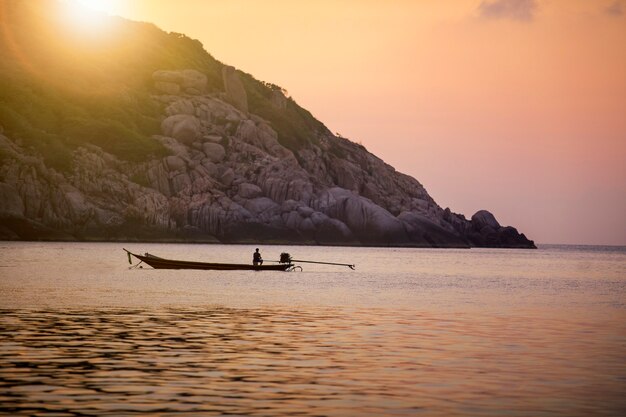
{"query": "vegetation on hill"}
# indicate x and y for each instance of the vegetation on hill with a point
(61, 87)
(296, 127)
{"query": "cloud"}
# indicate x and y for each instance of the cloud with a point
(522, 10)
(615, 9)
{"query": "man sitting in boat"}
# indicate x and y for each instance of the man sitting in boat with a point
(256, 258)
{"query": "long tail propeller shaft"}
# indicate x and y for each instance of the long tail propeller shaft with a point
(351, 266)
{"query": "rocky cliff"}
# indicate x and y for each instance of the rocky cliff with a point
(229, 159)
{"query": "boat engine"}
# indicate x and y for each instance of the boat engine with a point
(285, 258)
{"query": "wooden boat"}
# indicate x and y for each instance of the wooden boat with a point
(162, 263)
(285, 264)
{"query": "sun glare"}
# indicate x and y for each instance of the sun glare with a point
(88, 16)
(97, 5)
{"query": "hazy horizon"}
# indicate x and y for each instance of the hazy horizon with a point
(514, 106)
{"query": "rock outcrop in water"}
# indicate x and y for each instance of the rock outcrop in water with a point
(234, 169)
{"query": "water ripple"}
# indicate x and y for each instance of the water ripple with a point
(309, 362)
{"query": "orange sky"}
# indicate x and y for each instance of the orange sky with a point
(516, 106)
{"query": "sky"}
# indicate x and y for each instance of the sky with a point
(514, 106)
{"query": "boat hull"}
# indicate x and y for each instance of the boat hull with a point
(161, 263)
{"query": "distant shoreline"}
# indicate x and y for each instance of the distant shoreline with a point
(340, 245)
(251, 242)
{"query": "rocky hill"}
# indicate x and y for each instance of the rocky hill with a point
(142, 135)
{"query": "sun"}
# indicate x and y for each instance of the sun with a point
(104, 6)
(88, 16)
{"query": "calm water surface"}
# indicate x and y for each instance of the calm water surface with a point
(410, 332)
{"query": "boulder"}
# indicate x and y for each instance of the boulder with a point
(181, 183)
(248, 191)
(211, 168)
(329, 230)
(174, 146)
(174, 163)
(173, 82)
(305, 211)
(192, 79)
(182, 127)
(227, 177)
(79, 209)
(346, 174)
(424, 232)
(158, 178)
(287, 187)
(213, 151)
(261, 205)
(201, 181)
(183, 106)
(278, 100)
(263, 137)
(235, 91)
(484, 218)
(248, 132)
(218, 112)
(485, 231)
(369, 222)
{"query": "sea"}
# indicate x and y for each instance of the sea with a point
(408, 332)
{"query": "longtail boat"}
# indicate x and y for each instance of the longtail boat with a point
(284, 264)
(162, 263)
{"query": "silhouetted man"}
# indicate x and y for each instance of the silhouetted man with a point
(256, 258)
